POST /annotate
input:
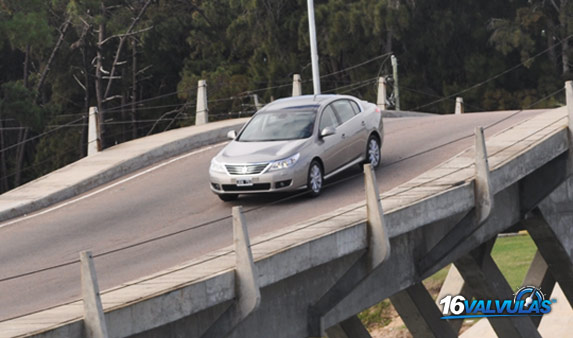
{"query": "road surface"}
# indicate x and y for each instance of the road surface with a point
(175, 196)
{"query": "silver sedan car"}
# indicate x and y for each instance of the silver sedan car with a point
(296, 143)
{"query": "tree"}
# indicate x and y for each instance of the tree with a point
(27, 30)
(544, 23)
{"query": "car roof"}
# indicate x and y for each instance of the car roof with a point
(304, 101)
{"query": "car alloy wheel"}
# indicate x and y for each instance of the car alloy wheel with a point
(315, 178)
(373, 152)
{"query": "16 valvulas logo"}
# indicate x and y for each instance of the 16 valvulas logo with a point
(527, 301)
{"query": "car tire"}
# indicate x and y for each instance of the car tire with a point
(373, 152)
(315, 178)
(228, 197)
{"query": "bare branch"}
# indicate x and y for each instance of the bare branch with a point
(44, 74)
(81, 39)
(121, 42)
(143, 70)
(110, 8)
(126, 34)
(112, 98)
(79, 82)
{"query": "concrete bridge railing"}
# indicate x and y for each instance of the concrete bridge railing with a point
(317, 275)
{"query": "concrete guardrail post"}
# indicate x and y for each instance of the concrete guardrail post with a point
(202, 111)
(396, 87)
(249, 295)
(94, 319)
(483, 190)
(258, 105)
(247, 291)
(459, 105)
(94, 136)
(381, 101)
(379, 242)
(378, 251)
(296, 85)
(473, 219)
(569, 101)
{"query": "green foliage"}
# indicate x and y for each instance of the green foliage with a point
(243, 47)
(17, 102)
(26, 24)
(56, 150)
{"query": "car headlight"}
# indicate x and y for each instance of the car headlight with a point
(284, 163)
(217, 167)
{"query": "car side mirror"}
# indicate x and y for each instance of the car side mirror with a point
(231, 134)
(327, 132)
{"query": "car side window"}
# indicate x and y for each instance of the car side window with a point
(328, 119)
(356, 107)
(344, 110)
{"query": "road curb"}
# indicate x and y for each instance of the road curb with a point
(90, 172)
(402, 113)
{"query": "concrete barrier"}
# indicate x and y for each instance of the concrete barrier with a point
(107, 165)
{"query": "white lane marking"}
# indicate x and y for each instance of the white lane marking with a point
(127, 179)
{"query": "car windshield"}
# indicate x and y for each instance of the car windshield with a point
(279, 126)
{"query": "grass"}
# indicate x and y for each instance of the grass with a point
(512, 255)
(377, 315)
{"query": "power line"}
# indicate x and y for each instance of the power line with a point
(356, 84)
(38, 136)
(479, 84)
(438, 96)
(129, 105)
(358, 65)
(266, 205)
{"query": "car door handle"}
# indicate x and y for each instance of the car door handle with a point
(343, 135)
(363, 124)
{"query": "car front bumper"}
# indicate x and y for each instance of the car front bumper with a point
(289, 179)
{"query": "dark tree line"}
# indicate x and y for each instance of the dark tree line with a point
(139, 61)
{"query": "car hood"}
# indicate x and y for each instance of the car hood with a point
(251, 152)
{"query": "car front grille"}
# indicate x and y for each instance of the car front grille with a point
(246, 169)
(254, 187)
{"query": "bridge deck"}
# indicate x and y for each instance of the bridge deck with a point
(209, 280)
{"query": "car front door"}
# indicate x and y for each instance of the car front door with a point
(331, 150)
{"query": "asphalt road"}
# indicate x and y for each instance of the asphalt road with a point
(176, 196)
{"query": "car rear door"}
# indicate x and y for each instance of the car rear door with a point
(352, 130)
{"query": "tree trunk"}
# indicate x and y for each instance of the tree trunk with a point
(565, 57)
(564, 20)
(551, 45)
(86, 108)
(20, 156)
(3, 167)
(120, 46)
(389, 41)
(26, 65)
(44, 74)
(133, 88)
(98, 79)
(124, 111)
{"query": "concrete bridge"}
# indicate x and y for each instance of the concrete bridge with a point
(313, 277)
